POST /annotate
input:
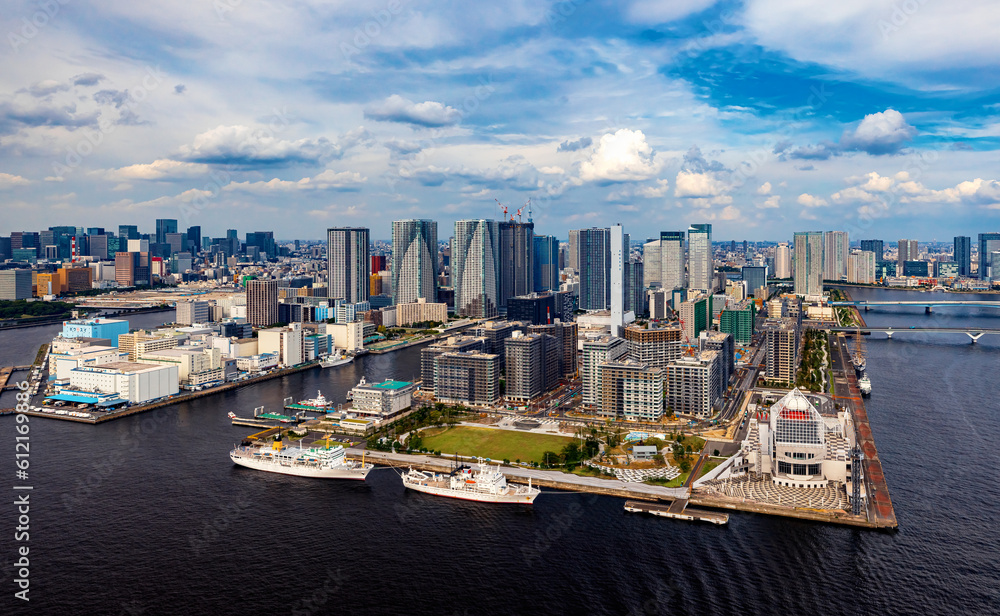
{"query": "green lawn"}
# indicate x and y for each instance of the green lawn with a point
(493, 444)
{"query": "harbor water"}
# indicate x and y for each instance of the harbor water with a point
(147, 515)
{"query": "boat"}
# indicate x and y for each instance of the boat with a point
(320, 462)
(331, 360)
(232, 415)
(487, 485)
(318, 404)
(865, 385)
(859, 357)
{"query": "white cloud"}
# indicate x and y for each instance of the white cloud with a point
(691, 184)
(427, 114)
(621, 157)
(764, 189)
(7, 180)
(807, 200)
(663, 11)
(774, 201)
(327, 180)
(243, 145)
(162, 169)
(885, 132)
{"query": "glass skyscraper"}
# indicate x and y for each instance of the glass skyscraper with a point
(414, 261)
(348, 260)
(700, 257)
(808, 263)
(475, 268)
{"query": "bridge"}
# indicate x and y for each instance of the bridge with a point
(972, 332)
(927, 305)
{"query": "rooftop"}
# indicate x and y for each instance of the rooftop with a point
(391, 384)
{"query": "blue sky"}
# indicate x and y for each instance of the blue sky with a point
(763, 117)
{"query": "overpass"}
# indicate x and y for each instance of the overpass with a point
(927, 305)
(972, 332)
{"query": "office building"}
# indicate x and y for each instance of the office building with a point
(15, 284)
(471, 378)
(452, 344)
(672, 258)
(348, 259)
(193, 239)
(133, 269)
(163, 227)
(475, 271)
(573, 250)
(263, 241)
(782, 261)
(988, 243)
(692, 384)
(262, 302)
(782, 344)
(963, 255)
(540, 308)
(517, 260)
(836, 248)
(629, 390)
(414, 261)
(287, 342)
(191, 312)
(651, 271)
(565, 334)
(756, 277)
(724, 344)
(945, 269)
(594, 246)
(907, 251)
(596, 352)
(700, 270)
(918, 269)
(546, 263)
(635, 291)
(739, 321)
(875, 246)
(532, 362)
(809, 263)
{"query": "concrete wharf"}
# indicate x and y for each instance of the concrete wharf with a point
(677, 510)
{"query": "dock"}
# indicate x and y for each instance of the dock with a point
(678, 510)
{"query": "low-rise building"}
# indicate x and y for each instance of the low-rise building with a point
(95, 328)
(132, 382)
(61, 363)
(421, 311)
(257, 363)
(287, 342)
(382, 400)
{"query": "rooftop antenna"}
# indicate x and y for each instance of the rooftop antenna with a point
(529, 211)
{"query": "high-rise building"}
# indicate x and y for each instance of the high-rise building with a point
(471, 378)
(128, 232)
(672, 274)
(875, 246)
(194, 239)
(565, 334)
(163, 227)
(836, 247)
(133, 269)
(739, 321)
(475, 271)
(532, 365)
(963, 255)
(635, 291)
(15, 284)
(98, 246)
(782, 343)
(726, 347)
(379, 262)
(755, 276)
(596, 352)
(695, 315)
(414, 261)
(262, 302)
(700, 270)
(517, 258)
(654, 346)
(651, 267)
(191, 312)
(546, 260)
(573, 250)
(809, 263)
(177, 242)
(619, 255)
(594, 246)
(347, 262)
(907, 251)
(782, 261)
(263, 241)
(861, 267)
(692, 384)
(988, 242)
(452, 344)
(630, 390)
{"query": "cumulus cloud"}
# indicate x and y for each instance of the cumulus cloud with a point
(640, 192)
(772, 202)
(573, 146)
(16, 116)
(764, 189)
(807, 200)
(7, 180)
(428, 114)
(88, 79)
(162, 169)
(698, 185)
(885, 132)
(47, 87)
(327, 180)
(623, 156)
(246, 146)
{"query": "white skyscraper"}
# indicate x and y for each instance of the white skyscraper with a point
(700, 257)
(414, 261)
(619, 253)
(782, 261)
(836, 248)
(348, 263)
(672, 260)
(475, 267)
(809, 263)
(651, 276)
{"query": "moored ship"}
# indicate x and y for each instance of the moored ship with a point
(488, 485)
(321, 462)
(332, 360)
(865, 385)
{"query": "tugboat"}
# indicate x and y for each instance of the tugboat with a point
(488, 485)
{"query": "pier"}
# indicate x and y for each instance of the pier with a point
(677, 510)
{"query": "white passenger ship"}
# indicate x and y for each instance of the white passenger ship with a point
(488, 485)
(326, 463)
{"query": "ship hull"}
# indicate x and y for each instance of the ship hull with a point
(514, 499)
(302, 471)
(336, 362)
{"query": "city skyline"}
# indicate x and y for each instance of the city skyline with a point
(357, 124)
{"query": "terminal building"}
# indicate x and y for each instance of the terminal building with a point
(795, 446)
(382, 400)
